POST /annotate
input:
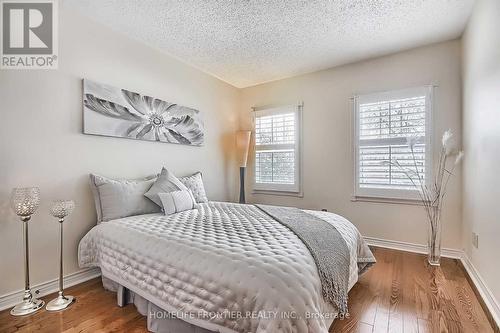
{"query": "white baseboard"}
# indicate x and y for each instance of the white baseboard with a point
(411, 247)
(48, 287)
(484, 291)
(486, 294)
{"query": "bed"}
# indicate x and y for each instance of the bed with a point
(222, 267)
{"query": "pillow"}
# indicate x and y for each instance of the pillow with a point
(177, 201)
(195, 184)
(116, 198)
(165, 183)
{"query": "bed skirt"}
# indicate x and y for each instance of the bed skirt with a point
(158, 320)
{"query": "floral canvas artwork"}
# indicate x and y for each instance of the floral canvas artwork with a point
(122, 113)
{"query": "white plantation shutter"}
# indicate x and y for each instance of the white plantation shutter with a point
(384, 122)
(277, 154)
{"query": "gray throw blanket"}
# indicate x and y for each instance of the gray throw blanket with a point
(327, 247)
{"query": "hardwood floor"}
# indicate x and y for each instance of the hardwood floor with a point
(95, 310)
(401, 293)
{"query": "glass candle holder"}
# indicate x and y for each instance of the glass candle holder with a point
(62, 208)
(25, 200)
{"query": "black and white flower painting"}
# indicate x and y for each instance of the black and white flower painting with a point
(119, 112)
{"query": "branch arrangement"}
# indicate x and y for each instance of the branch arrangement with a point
(432, 196)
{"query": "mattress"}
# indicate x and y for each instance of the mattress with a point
(224, 267)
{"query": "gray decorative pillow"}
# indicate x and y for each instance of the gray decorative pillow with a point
(195, 184)
(117, 198)
(166, 182)
(177, 201)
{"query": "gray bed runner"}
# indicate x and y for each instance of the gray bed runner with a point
(327, 247)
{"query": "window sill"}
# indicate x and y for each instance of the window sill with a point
(411, 202)
(279, 193)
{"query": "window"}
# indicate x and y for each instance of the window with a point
(277, 149)
(384, 122)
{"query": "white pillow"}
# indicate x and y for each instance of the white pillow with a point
(195, 184)
(176, 201)
(116, 198)
(165, 183)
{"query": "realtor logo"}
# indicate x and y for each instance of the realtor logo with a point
(29, 34)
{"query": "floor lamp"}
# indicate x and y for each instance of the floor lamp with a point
(24, 202)
(242, 146)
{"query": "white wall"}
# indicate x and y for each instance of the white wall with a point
(327, 152)
(481, 120)
(41, 140)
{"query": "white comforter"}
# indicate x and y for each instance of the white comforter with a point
(224, 267)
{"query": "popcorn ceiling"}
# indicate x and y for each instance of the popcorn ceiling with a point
(247, 42)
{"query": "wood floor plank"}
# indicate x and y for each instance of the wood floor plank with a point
(401, 293)
(423, 326)
(365, 328)
(470, 311)
(385, 300)
(395, 323)
(409, 306)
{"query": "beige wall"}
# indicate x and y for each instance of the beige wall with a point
(41, 140)
(327, 152)
(481, 117)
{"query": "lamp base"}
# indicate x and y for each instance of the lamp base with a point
(242, 185)
(60, 303)
(27, 307)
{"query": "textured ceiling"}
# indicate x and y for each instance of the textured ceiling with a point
(247, 42)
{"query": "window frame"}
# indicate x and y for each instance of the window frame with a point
(394, 194)
(281, 189)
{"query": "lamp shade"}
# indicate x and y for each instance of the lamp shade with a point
(242, 146)
(25, 200)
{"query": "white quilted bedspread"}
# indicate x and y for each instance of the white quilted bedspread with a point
(226, 267)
